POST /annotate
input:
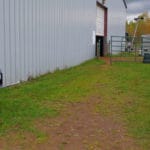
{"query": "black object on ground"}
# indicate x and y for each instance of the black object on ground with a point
(146, 58)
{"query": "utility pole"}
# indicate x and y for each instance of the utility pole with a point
(136, 28)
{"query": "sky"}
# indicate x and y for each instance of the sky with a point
(136, 7)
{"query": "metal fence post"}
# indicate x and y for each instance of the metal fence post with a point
(110, 51)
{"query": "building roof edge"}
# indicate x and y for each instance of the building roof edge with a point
(125, 4)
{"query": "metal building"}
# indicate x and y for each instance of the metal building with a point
(40, 36)
(117, 16)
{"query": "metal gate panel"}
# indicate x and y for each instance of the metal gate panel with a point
(128, 49)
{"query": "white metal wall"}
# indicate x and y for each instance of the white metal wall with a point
(39, 36)
(117, 15)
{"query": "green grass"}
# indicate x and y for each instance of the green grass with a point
(127, 95)
(43, 97)
(124, 89)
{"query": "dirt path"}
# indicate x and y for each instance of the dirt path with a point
(78, 128)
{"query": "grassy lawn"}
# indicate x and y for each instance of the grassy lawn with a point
(124, 89)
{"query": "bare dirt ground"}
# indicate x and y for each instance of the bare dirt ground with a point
(121, 59)
(79, 127)
(106, 59)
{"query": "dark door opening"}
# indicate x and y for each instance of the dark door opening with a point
(1, 79)
(99, 46)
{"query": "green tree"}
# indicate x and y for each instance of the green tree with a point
(143, 25)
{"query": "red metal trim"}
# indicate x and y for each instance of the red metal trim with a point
(101, 5)
(105, 22)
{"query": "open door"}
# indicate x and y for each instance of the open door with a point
(99, 46)
(1, 79)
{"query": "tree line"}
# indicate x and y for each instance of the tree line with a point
(143, 26)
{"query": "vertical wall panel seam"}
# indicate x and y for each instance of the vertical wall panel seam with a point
(15, 38)
(4, 40)
(32, 66)
(24, 39)
(10, 49)
(39, 35)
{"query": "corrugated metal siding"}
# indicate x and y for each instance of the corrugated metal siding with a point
(117, 15)
(40, 36)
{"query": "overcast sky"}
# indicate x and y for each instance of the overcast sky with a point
(136, 7)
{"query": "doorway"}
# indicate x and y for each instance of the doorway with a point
(1, 79)
(99, 46)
